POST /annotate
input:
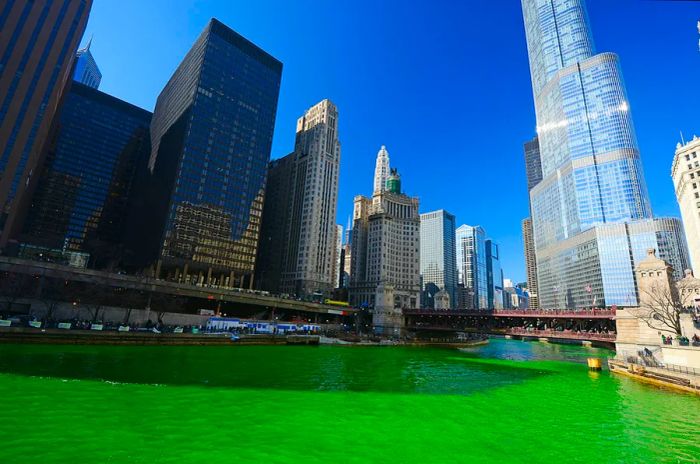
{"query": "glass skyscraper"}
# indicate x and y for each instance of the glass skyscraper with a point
(533, 163)
(81, 200)
(494, 276)
(438, 263)
(471, 265)
(86, 70)
(211, 137)
(37, 47)
(591, 211)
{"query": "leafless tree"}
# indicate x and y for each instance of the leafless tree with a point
(50, 293)
(661, 310)
(13, 286)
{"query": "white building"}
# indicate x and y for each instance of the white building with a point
(298, 249)
(337, 271)
(381, 170)
(686, 180)
(386, 246)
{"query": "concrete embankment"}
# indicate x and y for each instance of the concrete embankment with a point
(91, 337)
(657, 377)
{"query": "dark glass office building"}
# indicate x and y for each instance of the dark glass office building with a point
(211, 139)
(533, 163)
(79, 208)
(38, 40)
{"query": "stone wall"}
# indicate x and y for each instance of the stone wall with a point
(66, 311)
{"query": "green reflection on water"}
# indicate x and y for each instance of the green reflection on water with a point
(509, 401)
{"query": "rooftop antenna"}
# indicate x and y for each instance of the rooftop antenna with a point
(682, 139)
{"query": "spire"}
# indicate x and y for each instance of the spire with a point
(381, 170)
(87, 47)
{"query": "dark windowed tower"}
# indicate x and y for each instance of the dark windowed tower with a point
(81, 199)
(38, 40)
(533, 163)
(211, 138)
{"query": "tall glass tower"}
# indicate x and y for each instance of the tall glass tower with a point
(211, 136)
(438, 262)
(592, 203)
(472, 265)
(86, 70)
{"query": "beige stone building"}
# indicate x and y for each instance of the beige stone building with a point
(686, 180)
(666, 308)
(298, 246)
(386, 247)
(530, 263)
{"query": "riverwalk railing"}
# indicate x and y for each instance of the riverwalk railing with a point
(663, 366)
(605, 337)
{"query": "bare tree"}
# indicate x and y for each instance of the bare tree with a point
(13, 286)
(661, 309)
(51, 292)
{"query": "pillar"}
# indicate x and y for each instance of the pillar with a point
(159, 265)
(209, 276)
(184, 272)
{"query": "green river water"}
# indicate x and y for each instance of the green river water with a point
(508, 402)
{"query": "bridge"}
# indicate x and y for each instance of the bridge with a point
(595, 325)
(515, 313)
(213, 295)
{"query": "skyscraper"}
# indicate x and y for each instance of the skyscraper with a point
(80, 204)
(386, 246)
(530, 263)
(590, 211)
(471, 265)
(299, 230)
(86, 70)
(494, 276)
(381, 170)
(211, 136)
(533, 163)
(686, 180)
(37, 49)
(337, 257)
(438, 263)
(533, 170)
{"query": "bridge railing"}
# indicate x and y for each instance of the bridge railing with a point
(583, 313)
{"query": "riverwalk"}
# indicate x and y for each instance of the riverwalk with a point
(93, 337)
(682, 380)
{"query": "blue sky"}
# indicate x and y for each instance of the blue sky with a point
(444, 85)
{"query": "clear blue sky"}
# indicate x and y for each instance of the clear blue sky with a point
(444, 85)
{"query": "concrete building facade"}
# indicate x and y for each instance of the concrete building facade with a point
(686, 180)
(301, 254)
(530, 263)
(386, 247)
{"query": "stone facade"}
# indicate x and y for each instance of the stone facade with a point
(686, 180)
(657, 289)
(299, 250)
(387, 319)
(385, 248)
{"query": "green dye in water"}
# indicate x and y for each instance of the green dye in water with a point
(509, 401)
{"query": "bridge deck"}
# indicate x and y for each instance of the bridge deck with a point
(109, 279)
